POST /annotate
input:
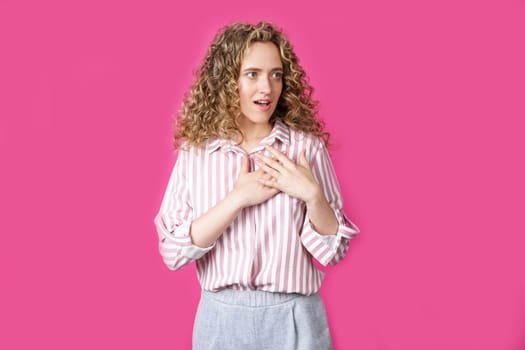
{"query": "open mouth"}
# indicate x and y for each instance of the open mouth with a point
(262, 102)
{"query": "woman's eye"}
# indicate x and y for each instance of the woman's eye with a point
(275, 75)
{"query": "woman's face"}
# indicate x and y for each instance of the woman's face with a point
(260, 82)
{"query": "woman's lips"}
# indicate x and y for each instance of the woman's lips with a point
(262, 106)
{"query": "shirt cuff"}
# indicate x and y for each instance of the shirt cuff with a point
(324, 247)
(181, 237)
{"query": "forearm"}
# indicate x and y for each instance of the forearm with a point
(208, 227)
(320, 214)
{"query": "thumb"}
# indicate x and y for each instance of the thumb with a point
(303, 160)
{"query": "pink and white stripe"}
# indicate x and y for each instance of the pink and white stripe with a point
(268, 246)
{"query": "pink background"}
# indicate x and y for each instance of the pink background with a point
(425, 104)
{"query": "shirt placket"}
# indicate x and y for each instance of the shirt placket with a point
(253, 235)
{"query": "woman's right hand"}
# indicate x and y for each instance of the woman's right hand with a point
(208, 227)
(247, 190)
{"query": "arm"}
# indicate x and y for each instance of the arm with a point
(332, 247)
(182, 238)
(320, 213)
(326, 229)
(206, 229)
(174, 219)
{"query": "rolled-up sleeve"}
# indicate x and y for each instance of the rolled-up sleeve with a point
(174, 219)
(328, 249)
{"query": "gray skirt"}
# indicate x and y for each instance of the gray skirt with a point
(232, 319)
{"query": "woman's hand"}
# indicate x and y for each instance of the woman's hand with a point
(294, 179)
(248, 190)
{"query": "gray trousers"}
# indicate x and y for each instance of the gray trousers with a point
(259, 320)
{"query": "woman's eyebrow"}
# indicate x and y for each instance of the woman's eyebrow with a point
(259, 69)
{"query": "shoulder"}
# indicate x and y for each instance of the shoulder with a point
(307, 140)
(186, 149)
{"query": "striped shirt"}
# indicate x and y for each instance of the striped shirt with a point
(268, 246)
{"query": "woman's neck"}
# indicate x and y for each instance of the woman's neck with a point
(253, 134)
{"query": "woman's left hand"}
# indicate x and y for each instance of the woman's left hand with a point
(287, 176)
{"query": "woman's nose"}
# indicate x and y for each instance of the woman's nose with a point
(265, 85)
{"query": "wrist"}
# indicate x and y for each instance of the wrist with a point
(235, 200)
(314, 196)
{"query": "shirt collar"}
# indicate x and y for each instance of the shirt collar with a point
(280, 131)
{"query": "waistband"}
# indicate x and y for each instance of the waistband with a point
(252, 298)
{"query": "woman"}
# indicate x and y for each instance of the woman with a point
(253, 197)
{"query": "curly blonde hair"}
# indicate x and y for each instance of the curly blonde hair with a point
(211, 108)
